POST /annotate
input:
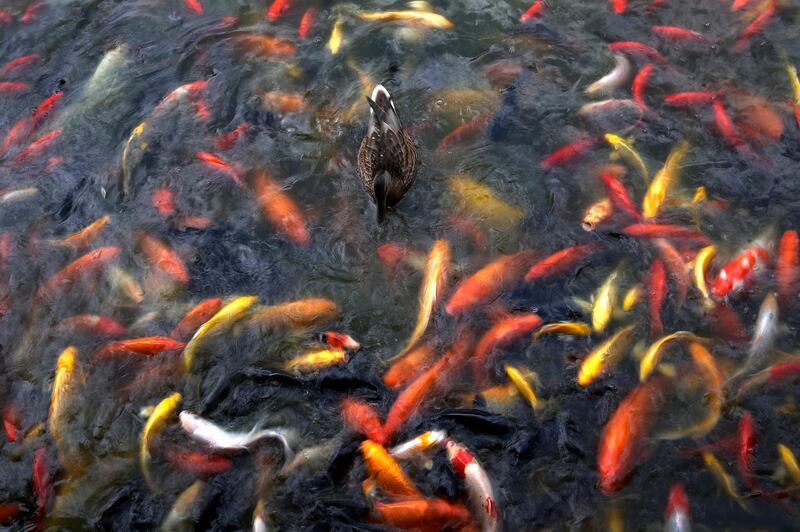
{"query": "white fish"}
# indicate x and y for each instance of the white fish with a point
(423, 442)
(479, 486)
(612, 81)
(763, 335)
(220, 439)
(107, 69)
(21, 194)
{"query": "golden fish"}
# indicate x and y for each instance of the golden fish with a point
(316, 360)
(125, 172)
(335, 42)
(522, 382)
(653, 354)
(596, 213)
(227, 316)
(701, 264)
(792, 71)
(85, 236)
(66, 381)
(603, 356)
(155, 424)
(626, 151)
(183, 508)
(789, 462)
(632, 298)
(482, 202)
(357, 108)
(569, 328)
(700, 195)
(296, 315)
(432, 286)
(663, 181)
(723, 478)
(604, 302)
(422, 18)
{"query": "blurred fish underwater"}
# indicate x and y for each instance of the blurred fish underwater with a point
(582, 315)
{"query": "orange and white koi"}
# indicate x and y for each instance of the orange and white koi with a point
(93, 325)
(478, 484)
(433, 439)
(597, 213)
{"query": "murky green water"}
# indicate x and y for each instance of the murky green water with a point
(302, 114)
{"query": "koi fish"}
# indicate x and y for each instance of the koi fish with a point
(472, 128)
(774, 375)
(92, 325)
(632, 298)
(756, 26)
(678, 517)
(227, 140)
(478, 484)
(197, 316)
(789, 462)
(618, 195)
(568, 328)
(147, 346)
(363, 418)
(85, 236)
(787, 268)
(184, 507)
(692, 99)
(194, 5)
(488, 283)
(386, 473)
(612, 81)
(604, 356)
(220, 440)
(597, 213)
(198, 462)
(420, 18)
(795, 82)
(277, 9)
(18, 63)
(83, 267)
(619, 6)
(296, 315)
(640, 84)
(723, 478)
(747, 441)
(627, 152)
(164, 258)
(503, 333)
(13, 87)
(422, 514)
(483, 203)
(637, 48)
(663, 181)
(154, 426)
(335, 41)
(560, 262)
(304, 29)
(654, 353)
(316, 360)
(657, 282)
(741, 271)
(522, 382)
(215, 162)
(11, 423)
(66, 382)
(225, 318)
(265, 46)
(725, 126)
(623, 439)
(702, 262)
(42, 482)
(409, 365)
(647, 230)
(532, 11)
(38, 146)
(280, 209)
(413, 447)
(676, 33)
(568, 154)
(284, 102)
(604, 301)
(764, 334)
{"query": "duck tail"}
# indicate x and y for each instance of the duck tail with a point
(383, 115)
(381, 187)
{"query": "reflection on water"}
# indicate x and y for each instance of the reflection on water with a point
(585, 307)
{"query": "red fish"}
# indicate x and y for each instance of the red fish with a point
(740, 271)
(217, 163)
(739, 4)
(16, 64)
(676, 33)
(5, 18)
(92, 325)
(645, 230)
(42, 481)
(190, 91)
(9, 511)
(227, 140)
(488, 283)
(363, 418)
(618, 195)
(164, 201)
(656, 294)
(675, 265)
(619, 6)
(194, 5)
(502, 334)
(640, 84)
(637, 48)
(43, 110)
(476, 126)
(84, 266)
(278, 8)
(197, 316)
(163, 257)
(569, 153)
(560, 262)
(692, 99)
(774, 375)
(38, 146)
(787, 268)
(337, 340)
(13, 87)
(532, 11)
(725, 126)
(728, 324)
(198, 462)
(12, 424)
(30, 12)
(280, 209)
(756, 26)
(472, 230)
(147, 346)
(306, 22)
(622, 443)
(747, 443)
(27, 125)
(394, 255)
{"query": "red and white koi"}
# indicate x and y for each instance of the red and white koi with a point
(478, 483)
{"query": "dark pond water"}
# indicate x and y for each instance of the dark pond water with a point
(213, 144)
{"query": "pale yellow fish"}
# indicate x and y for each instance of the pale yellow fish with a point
(155, 424)
(616, 521)
(335, 42)
(701, 264)
(789, 462)
(569, 328)
(295, 315)
(723, 478)
(422, 18)
(523, 384)
(604, 356)
(183, 508)
(712, 376)
(604, 301)
(65, 384)
(84, 236)
(700, 194)
(792, 71)
(632, 297)
(653, 354)
(227, 316)
(663, 181)
(137, 132)
(499, 399)
(433, 284)
(316, 360)
(481, 201)
(628, 153)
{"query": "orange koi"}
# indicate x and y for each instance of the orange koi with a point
(656, 296)
(474, 127)
(619, 6)
(409, 365)
(645, 230)
(756, 26)
(560, 262)
(164, 201)
(619, 196)
(678, 272)
(42, 482)
(640, 84)
(532, 11)
(569, 153)
(227, 140)
(423, 514)
(676, 33)
(265, 45)
(787, 268)
(692, 99)
(280, 209)
(488, 283)
(726, 128)
(194, 6)
(12, 423)
(197, 316)
(85, 236)
(163, 257)
(9, 510)
(84, 266)
(363, 418)
(471, 230)
(502, 334)
(284, 102)
(30, 12)
(385, 472)
(198, 462)
(747, 442)
(147, 346)
(278, 8)
(637, 48)
(217, 163)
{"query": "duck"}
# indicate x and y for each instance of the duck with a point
(387, 157)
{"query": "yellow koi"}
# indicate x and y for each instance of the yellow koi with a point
(295, 315)
(227, 316)
(663, 181)
(569, 328)
(316, 360)
(792, 71)
(522, 382)
(626, 151)
(155, 424)
(653, 354)
(422, 18)
(604, 356)
(723, 478)
(482, 202)
(335, 42)
(137, 132)
(632, 298)
(65, 383)
(700, 195)
(85, 236)
(604, 302)
(701, 264)
(789, 462)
